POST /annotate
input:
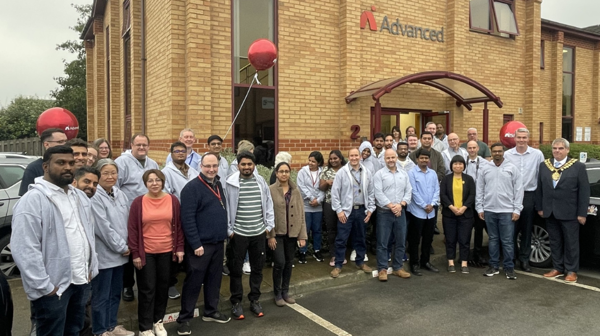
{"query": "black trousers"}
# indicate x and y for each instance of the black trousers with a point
(479, 226)
(255, 246)
(331, 221)
(6, 307)
(457, 229)
(564, 243)
(525, 226)
(420, 231)
(206, 269)
(153, 289)
(128, 270)
(283, 257)
(372, 229)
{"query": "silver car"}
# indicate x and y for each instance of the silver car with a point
(12, 167)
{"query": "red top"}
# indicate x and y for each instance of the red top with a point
(135, 230)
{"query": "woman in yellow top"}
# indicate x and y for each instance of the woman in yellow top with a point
(457, 195)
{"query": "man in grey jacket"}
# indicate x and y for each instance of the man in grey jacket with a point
(57, 258)
(353, 199)
(251, 216)
(177, 174)
(132, 165)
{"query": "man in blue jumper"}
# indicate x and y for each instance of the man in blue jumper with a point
(204, 224)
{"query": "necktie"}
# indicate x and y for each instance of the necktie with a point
(472, 161)
(556, 165)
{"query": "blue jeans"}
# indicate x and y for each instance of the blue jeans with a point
(106, 296)
(62, 315)
(313, 223)
(388, 224)
(355, 225)
(501, 228)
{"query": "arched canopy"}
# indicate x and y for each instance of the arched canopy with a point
(464, 90)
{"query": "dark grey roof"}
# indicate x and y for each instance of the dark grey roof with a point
(593, 29)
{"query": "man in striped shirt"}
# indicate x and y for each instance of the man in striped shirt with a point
(250, 217)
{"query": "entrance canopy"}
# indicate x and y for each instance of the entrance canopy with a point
(464, 90)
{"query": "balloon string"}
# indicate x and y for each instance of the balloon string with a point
(243, 102)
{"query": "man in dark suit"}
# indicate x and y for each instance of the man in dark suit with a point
(562, 198)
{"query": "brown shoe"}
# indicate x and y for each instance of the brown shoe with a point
(553, 274)
(383, 275)
(288, 299)
(365, 268)
(280, 302)
(336, 272)
(571, 277)
(401, 273)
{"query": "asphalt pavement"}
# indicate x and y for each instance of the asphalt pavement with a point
(434, 304)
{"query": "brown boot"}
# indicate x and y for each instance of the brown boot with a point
(365, 268)
(383, 275)
(401, 273)
(336, 272)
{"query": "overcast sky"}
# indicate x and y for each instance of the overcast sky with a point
(31, 29)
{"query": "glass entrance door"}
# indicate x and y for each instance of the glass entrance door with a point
(438, 118)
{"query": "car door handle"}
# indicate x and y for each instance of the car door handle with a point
(1, 203)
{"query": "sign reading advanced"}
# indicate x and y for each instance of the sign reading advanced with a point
(396, 28)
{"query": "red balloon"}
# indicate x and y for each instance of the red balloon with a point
(507, 133)
(262, 54)
(58, 117)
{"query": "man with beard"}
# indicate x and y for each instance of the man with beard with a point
(440, 134)
(80, 152)
(86, 179)
(56, 271)
(404, 162)
(251, 216)
(49, 138)
(132, 165)
(188, 138)
(378, 141)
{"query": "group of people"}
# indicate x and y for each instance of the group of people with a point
(73, 240)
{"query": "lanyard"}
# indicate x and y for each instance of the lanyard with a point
(314, 181)
(191, 159)
(355, 179)
(217, 193)
(476, 167)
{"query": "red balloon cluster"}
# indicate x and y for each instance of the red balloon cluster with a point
(262, 54)
(507, 133)
(58, 117)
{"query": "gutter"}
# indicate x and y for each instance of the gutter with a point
(143, 40)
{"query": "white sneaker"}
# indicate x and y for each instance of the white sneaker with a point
(353, 255)
(366, 258)
(121, 331)
(246, 268)
(159, 329)
(146, 333)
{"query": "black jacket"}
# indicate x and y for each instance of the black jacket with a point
(570, 198)
(447, 196)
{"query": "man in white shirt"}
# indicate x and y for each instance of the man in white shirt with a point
(528, 161)
(404, 162)
(453, 150)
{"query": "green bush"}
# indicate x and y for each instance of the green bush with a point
(593, 151)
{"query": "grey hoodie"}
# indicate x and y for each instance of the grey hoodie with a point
(310, 191)
(39, 241)
(110, 227)
(232, 191)
(130, 175)
(175, 180)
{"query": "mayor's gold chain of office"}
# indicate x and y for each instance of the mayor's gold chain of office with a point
(557, 171)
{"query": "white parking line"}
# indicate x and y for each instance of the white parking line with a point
(561, 280)
(318, 320)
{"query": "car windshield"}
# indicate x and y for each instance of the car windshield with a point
(594, 178)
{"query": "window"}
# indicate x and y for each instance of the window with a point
(11, 175)
(568, 92)
(542, 54)
(507, 118)
(594, 179)
(495, 17)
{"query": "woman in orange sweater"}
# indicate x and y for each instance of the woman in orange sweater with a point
(155, 239)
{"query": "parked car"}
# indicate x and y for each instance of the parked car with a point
(12, 167)
(589, 234)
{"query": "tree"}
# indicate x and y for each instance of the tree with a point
(19, 118)
(71, 93)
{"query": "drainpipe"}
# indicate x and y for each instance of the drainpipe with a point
(143, 40)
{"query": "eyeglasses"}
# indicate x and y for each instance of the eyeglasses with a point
(211, 166)
(179, 151)
(215, 144)
(60, 142)
(103, 148)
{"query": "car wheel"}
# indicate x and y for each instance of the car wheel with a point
(540, 246)
(7, 263)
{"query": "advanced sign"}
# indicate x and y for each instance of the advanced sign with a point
(397, 28)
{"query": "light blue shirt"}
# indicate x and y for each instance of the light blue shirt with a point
(356, 186)
(391, 187)
(528, 164)
(342, 196)
(192, 160)
(425, 191)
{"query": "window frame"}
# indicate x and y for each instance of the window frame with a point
(494, 27)
(572, 72)
(542, 54)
